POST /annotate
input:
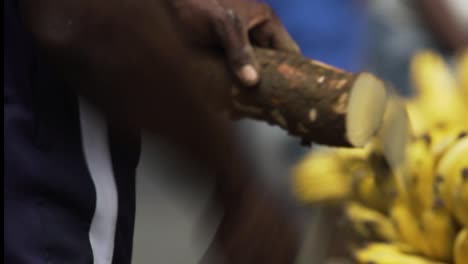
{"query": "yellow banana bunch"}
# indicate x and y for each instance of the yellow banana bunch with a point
(422, 155)
(343, 174)
(411, 192)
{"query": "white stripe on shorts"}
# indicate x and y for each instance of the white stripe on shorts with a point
(94, 138)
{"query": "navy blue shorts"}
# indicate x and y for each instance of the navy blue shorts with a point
(69, 177)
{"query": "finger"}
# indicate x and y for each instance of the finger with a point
(272, 34)
(281, 40)
(233, 36)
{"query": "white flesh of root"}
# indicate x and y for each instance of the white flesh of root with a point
(394, 132)
(366, 108)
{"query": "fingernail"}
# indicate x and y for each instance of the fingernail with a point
(249, 75)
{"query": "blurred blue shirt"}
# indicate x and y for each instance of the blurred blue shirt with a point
(331, 31)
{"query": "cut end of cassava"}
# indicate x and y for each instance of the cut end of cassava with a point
(366, 108)
(395, 131)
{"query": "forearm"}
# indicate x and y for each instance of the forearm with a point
(103, 50)
(131, 63)
(442, 24)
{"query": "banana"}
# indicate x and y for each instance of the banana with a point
(419, 173)
(438, 97)
(365, 190)
(321, 178)
(460, 250)
(443, 136)
(430, 74)
(408, 226)
(380, 253)
(448, 171)
(418, 121)
(369, 223)
(439, 230)
(460, 196)
(333, 170)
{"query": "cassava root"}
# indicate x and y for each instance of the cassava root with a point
(309, 99)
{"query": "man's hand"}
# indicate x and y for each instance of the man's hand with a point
(232, 25)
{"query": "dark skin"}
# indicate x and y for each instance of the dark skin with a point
(137, 61)
(446, 31)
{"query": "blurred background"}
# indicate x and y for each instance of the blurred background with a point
(378, 36)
